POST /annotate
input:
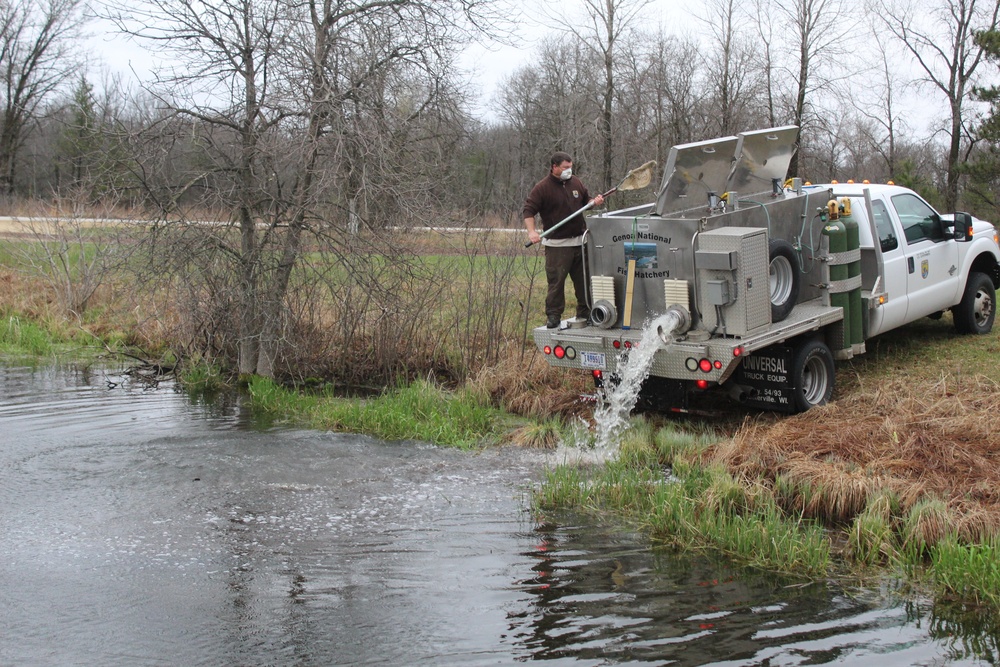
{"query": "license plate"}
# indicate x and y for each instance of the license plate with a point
(592, 359)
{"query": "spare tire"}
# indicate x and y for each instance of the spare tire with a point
(783, 278)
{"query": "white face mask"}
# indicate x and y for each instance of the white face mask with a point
(566, 173)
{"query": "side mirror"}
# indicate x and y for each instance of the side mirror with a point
(947, 227)
(963, 227)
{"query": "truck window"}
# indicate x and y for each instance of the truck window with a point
(886, 234)
(919, 220)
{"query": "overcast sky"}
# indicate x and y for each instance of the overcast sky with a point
(488, 63)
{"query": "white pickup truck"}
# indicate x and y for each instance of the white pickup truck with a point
(755, 284)
(929, 262)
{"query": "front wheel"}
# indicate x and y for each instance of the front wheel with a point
(812, 375)
(975, 313)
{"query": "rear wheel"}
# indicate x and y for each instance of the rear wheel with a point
(977, 310)
(812, 375)
(783, 278)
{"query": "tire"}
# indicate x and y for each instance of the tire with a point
(977, 310)
(782, 278)
(812, 375)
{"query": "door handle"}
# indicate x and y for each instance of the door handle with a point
(909, 264)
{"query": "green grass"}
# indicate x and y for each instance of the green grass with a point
(420, 411)
(703, 509)
(21, 336)
(968, 571)
(922, 351)
(198, 375)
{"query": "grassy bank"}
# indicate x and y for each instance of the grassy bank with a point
(420, 411)
(675, 487)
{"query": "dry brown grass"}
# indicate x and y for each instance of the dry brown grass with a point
(524, 384)
(920, 442)
(539, 435)
(24, 295)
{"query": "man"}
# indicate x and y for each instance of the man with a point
(554, 198)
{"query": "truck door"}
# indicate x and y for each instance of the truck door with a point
(892, 313)
(932, 279)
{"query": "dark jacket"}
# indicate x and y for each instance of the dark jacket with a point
(554, 199)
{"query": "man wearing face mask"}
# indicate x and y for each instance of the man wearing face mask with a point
(554, 198)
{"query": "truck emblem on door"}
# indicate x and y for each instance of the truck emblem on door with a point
(924, 268)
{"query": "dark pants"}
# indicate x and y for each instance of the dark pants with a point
(559, 263)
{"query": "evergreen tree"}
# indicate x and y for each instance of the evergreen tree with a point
(90, 157)
(984, 166)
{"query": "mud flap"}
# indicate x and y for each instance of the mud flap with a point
(663, 395)
(766, 380)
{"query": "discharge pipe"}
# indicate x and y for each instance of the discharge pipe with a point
(674, 322)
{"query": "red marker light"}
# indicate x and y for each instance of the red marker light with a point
(617, 344)
(738, 351)
(547, 349)
(705, 365)
(560, 352)
(718, 365)
(628, 345)
(702, 384)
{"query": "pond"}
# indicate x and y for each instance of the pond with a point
(142, 526)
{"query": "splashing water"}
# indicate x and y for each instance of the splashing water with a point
(611, 416)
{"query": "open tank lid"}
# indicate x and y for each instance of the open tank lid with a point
(747, 163)
(763, 156)
(693, 171)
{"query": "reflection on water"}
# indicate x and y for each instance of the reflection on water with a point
(605, 597)
(145, 527)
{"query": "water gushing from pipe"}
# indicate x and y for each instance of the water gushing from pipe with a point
(611, 417)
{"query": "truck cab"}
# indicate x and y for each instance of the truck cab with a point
(917, 262)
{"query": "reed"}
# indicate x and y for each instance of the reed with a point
(419, 412)
(199, 375)
(871, 538)
(926, 524)
(770, 540)
(968, 571)
(268, 396)
(20, 336)
(699, 507)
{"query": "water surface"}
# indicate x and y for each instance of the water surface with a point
(140, 526)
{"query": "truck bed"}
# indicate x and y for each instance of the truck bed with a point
(593, 348)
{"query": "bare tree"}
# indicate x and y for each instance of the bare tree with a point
(877, 103)
(287, 107)
(677, 92)
(606, 32)
(812, 35)
(36, 57)
(941, 38)
(765, 35)
(735, 66)
(553, 106)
